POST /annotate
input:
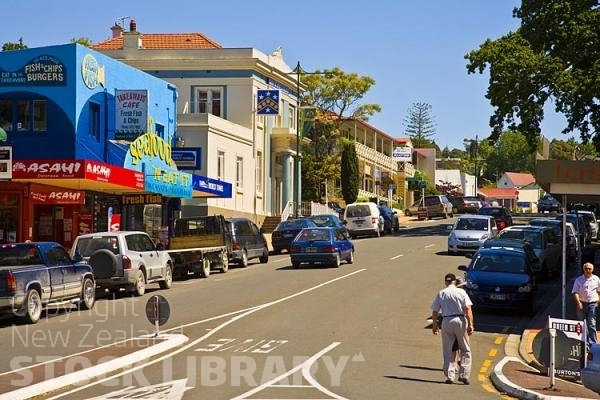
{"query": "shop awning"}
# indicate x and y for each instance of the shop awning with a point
(79, 175)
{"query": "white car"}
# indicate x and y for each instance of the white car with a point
(591, 217)
(469, 232)
(127, 259)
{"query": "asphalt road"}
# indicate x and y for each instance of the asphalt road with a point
(270, 331)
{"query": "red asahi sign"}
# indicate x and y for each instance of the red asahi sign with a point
(57, 197)
(78, 169)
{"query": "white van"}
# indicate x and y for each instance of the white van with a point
(363, 219)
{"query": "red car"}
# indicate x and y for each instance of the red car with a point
(501, 215)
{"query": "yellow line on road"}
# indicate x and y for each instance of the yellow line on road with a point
(489, 388)
(481, 377)
(493, 352)
(499, 340)
(487, 363)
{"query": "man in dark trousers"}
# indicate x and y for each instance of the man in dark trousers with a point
(585, 293)
(457, 324)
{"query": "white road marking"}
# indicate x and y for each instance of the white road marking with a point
(244, 313)
(429, 245)
(398, 256)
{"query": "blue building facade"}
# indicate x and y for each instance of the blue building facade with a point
(88, 139)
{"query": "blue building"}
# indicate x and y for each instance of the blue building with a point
(88, 138)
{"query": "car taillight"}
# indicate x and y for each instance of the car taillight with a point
(295, 249)
(11, 282)
(373, 220)
(501, 225)
(126, 262)
(329, 249)
(236, 246)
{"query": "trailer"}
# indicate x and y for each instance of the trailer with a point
(198, 245)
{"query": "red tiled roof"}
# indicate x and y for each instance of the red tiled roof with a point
(520, 178)
(498, 193)
(163, 41)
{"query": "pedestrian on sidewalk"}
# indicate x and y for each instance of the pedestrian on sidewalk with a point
(457, 324)
(585, 292)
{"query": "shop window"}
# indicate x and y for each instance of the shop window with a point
(6, 115)
(40, 115)
(9, 217)
(209, 101)
(160, 131)
(95, 120)
(23, 115)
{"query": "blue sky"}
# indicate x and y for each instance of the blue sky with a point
(414, 49)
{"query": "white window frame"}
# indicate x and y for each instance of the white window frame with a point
(239, 173)
(211, 93)
(292, 117)
(220, 165)
(259, 172)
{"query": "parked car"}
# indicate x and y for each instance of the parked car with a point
(591, 220)
(125, 259)
(549, 204)
(545, 244)
(438, 206)
(247, 242)
(572, 240)
(502, 277)
(330, 220)
(321, 245)
(286, 231)
(413, 209)
(363, 219)
(502, 216)
(390, 219)
(34, 275)
(472, 204)
(469, 232)
(584, 232)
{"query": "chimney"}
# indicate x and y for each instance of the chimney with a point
(132, 39)
(117, 30)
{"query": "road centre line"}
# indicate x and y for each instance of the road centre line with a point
(429, 245)
(240, 314)
(398, 256)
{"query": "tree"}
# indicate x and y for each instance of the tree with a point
(552, 57)
(8, 46)
(84, 41)
(420, 125)
(336, 96)
(350, 176)
(506, 155)
(571, 150)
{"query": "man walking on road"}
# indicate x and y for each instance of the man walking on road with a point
(457, 324)
(585, 292)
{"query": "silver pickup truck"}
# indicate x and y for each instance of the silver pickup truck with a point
(125, 259)
(34, 275)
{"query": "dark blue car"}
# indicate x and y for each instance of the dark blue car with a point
(322, 245)
(502, 277)
(286, 231)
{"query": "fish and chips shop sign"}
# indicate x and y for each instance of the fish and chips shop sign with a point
(151, 154)
(44, 70)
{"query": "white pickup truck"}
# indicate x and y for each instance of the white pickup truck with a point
(127, 259)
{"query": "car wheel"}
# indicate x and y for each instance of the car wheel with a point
(140, 284)
(88, 294)
(204, 270)
(295, 264)
(168, 281)
(224, 262)
(276, 251)
(265, 256)
(244, 260)
(350, 258)
(32, 307)
(337, 262)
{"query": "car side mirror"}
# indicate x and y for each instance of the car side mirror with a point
(462, 267)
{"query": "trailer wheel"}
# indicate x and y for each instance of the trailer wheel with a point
(204, 270)
(224, 262)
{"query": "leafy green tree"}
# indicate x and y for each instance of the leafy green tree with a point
(571, 150)
(8, 46)
(506, 155)
(551, 57)
(84, 41)
(336, 96)
(420, 125)
(350, 176)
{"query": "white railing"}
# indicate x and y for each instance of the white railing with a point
(318, 208)
(287, 211)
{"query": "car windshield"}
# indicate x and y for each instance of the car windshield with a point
(294, 224)
(471, 224)
(358, 211)
(494, 212)
(310, 235)
(532, 237)
(323, 220)
(19, 255)
(502, 262)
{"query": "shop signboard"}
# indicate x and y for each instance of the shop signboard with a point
(187, 158)
(43, 70)
(131, 119)
(57, 196)
(5, 162)
(402, 154)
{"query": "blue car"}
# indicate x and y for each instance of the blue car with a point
(286, 231)
(322, 245)
(502, 277)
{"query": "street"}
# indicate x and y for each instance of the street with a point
(270, 331)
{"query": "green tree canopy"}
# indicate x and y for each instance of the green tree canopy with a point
(8, 46)
(506, 155)
(551, 58)
(350, 175)
(84, 41)
(571, 150)
(420, 125)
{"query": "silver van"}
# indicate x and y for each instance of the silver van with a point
(438, 206)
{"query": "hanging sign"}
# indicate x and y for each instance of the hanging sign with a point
(267, 102)
(131, 117)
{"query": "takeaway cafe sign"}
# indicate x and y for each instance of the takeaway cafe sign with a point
(151, 154)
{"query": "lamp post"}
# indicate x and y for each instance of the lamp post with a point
(297, 186)
(475, 144)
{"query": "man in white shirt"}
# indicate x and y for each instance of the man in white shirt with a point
(585, 292)
(457, 324)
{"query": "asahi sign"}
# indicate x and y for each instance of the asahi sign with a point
(131, 118)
